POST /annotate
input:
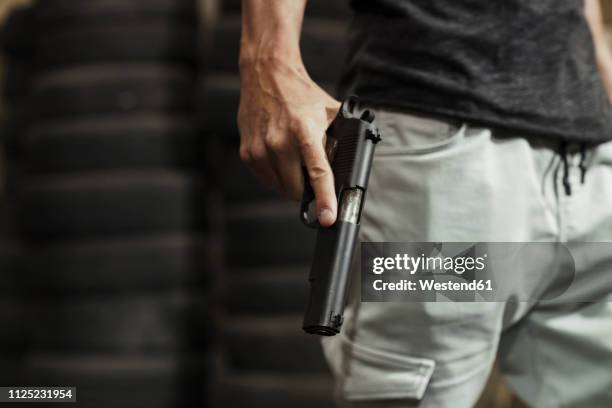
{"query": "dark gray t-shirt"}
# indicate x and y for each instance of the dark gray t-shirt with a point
(524, 65)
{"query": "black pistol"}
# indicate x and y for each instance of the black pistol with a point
(351, 140)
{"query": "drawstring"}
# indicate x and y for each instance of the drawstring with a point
(566, 183)
(566, 167)
(582, 164)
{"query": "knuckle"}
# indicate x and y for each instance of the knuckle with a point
(295, 125)
(270, 139)
(276, 142)
(245, 155)
(306, 144)
(318, 173)
(258, 153)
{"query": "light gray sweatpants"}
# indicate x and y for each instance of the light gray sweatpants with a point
(433, 180)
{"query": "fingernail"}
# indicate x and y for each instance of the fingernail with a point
(326, 216)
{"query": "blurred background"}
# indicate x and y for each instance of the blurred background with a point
(138, 259)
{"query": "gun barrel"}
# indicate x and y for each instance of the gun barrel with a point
(329, 278)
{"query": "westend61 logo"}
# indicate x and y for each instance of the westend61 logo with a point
(484, 271)
(422, 263)
(429, 269)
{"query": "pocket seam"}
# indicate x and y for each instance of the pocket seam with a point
(455, 135)
(422, 371)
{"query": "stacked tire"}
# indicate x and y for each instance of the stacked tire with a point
(267, 360)
(11, 297)
(113, 201)
(15, 64)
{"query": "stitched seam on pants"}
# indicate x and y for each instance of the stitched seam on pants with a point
(416, 370)
(462, 379)
(396, 360)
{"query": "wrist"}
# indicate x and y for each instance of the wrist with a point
(270, 37)
(270, 55)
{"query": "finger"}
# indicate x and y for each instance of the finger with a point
(320, 174)
(256, 158)
(253, 151)
(286, 161)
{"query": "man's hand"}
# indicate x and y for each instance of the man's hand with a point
(283, 114)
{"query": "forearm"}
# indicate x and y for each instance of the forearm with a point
(604, 55)
(283, 113)
(271, 32)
